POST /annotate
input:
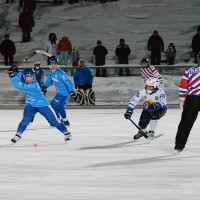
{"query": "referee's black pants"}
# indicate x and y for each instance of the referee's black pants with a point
(189, 115)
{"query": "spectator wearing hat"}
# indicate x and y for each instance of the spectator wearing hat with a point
(39, 74)
(100, 53)
(196, 43)
(122, 52)
(155, 45)
(8, 50)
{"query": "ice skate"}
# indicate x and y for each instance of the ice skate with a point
(139, 135)
(68, 136)
(178, 148)
(16, 138)
(150, 135)
(65, 122)
(177, 151)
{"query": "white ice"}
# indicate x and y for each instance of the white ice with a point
(100, 163)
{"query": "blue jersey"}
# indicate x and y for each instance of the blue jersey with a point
(61, 81)
(32, 92)
(83, 76)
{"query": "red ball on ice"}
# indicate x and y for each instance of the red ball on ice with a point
(35, 145)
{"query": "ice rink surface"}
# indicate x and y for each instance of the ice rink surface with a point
(100, 163)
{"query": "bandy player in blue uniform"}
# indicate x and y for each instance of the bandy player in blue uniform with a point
(64, 88)
(35, 102)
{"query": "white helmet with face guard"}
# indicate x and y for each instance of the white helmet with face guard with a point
(153, 82)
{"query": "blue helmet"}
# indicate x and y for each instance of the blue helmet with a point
(54, 61)
(28, 72)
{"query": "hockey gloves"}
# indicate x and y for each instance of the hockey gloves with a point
(44, 89)
(11, 72)
(73, 95)
(128, 114)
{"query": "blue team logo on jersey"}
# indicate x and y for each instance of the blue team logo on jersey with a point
(63, 76)
(137, 94)
(194, 70)
(54, 80)
(162, 96)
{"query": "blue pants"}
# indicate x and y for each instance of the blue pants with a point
(47, 112)
(58, 104)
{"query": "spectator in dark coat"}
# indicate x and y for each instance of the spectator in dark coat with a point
(26, 22)
(8, 50)
(100, 53)
(171, 54)
(155, 45)
(122, 52)
(196, 43)
(28, 4)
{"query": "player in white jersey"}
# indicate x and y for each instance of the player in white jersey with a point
(154, 106)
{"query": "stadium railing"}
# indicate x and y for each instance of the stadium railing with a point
(112, 69)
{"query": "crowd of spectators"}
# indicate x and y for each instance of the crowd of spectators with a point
(69, 55)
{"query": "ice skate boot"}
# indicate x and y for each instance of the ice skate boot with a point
(16, 138)
(150, 135)
(68, 136)
(178, 148)
(139, 134)
(66, 122)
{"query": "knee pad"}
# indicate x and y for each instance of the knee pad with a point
(90, 96)
(81, 96)
(154, 115)
(157, 114)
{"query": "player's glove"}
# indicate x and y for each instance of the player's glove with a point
(73, 95)
(152, 107)
(11, 72)
(44, 89)
(128, 114)
(181, 105)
